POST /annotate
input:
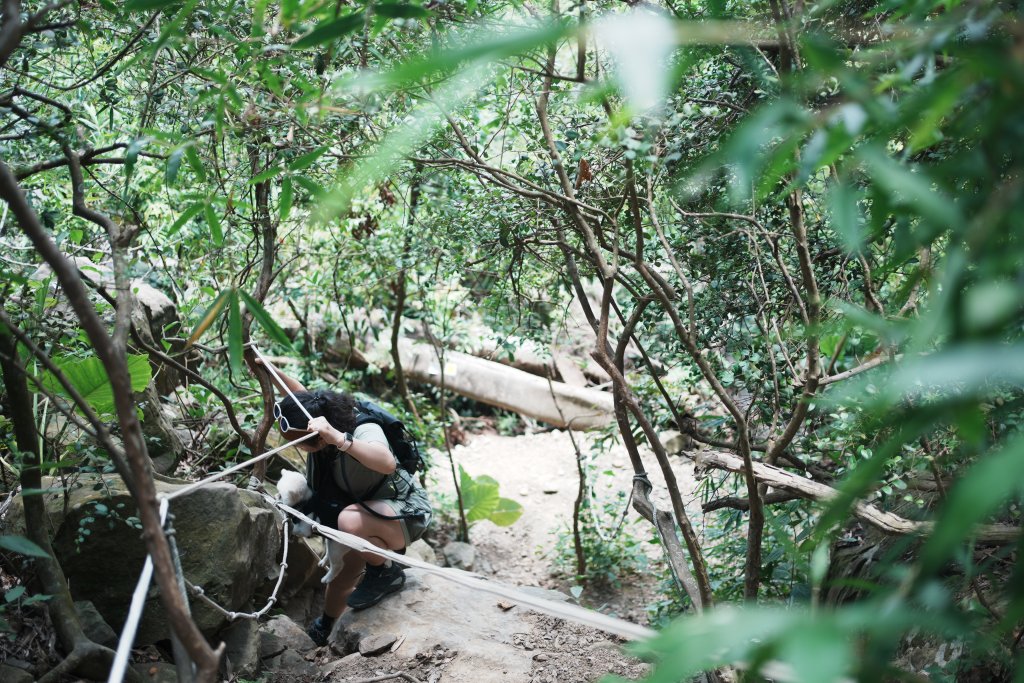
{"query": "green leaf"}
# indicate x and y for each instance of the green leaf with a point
(979, 493)
(209, 316)
(263, 318)
(481, 501)
(330, 30)
(131, 156)
(190, 213)
(911, 189)
(90, 380)
(14, 594)
(234, 333)
(145, 5)
(22, 546)
(195, 163)
(271, 172)
(307, 160)
(284, 205)
(506, 512)
(213, 220)
(846, 217)
(173, 165)
(399, 10)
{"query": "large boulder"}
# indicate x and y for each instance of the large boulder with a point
(229, 541)
(421, 617)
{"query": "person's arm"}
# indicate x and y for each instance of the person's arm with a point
(293, 384)
(375, 456)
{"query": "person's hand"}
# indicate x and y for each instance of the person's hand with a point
(321, 426)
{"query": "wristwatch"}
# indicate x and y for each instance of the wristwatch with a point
(347, 444)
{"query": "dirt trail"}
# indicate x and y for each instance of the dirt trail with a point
(539, 471)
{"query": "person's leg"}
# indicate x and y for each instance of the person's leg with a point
(336, 596)
(386, 533)
(381, 577)
(338, 590)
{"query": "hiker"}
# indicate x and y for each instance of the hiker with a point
(358, 488)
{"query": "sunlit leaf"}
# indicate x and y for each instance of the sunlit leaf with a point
(89, 378)
(209, 316)
(640, 43)
(266, 175)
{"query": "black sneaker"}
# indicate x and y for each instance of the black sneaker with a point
(319, 631)
(378, 581)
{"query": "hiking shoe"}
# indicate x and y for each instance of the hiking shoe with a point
(319, 631)
(378, 581)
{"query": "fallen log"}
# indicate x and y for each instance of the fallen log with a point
(886, 522)
(555, 403)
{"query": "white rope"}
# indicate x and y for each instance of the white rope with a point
(271, 601)
(476, 582)
(217, 475)
(131, 624)
(281, 382)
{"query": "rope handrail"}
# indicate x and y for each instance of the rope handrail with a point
(223, 473)
(603, 622)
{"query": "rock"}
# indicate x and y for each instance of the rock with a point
(545, 593)
(163, 443)
(431, 611)
(460, 555)
(227, 538)
(12, 674)
(422, 551)
(281, 634)
(291, 666)
(98, 630)
(336, 670)
(242, 647)
(376, 644)
(550, 489)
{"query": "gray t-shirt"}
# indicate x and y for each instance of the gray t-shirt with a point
(355, 477)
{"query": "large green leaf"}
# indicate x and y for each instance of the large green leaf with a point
(330, 30)
(264, 319)
(481, 501)
(90, 380)
(21, 545)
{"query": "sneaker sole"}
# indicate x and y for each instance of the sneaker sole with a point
(389, 591)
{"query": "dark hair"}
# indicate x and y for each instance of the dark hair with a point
(339, 409)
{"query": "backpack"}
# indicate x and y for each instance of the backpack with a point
(403, 444)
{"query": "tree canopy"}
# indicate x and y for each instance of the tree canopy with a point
(793, 228)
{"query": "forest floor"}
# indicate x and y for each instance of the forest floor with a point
(539, 471)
